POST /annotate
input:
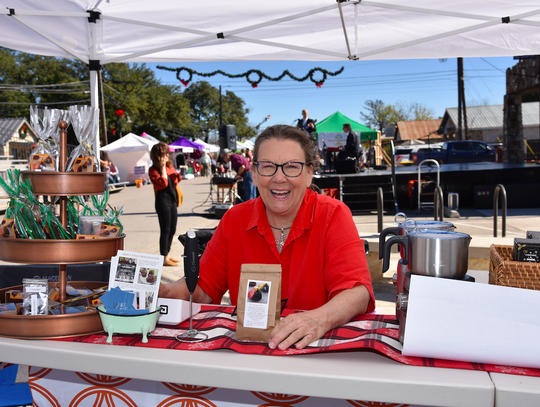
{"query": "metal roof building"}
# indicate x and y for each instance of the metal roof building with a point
(485, 123)
(417, 130)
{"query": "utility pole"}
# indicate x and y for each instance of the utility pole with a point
(220, 108)
(462, 107)
(460, 76)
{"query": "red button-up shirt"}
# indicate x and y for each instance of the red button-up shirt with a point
(322, 256)
(158, 181)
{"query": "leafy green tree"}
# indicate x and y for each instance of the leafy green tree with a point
(377, 115)
(204, 101)
(380, 115)
(415, 111)
(24, 79)
(135, 100)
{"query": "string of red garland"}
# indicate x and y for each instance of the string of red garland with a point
(254, 73)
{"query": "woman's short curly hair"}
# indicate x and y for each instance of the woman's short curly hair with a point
(285, 132)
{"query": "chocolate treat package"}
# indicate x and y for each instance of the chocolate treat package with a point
(527, 250)
(51, 224)
(23, 208)
(7, 228)
(533, 235)
(259, 301)
(45, 121)
(35, 296)
(100, 203)
(90, 225)
(75, 206)
(44, 214)
(84, 120)
(108, 231)
(112, 217)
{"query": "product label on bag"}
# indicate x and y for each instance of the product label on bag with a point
(256, 313)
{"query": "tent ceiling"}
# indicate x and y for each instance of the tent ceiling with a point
(173, 30)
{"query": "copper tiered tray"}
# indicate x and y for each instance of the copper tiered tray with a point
(51, 326)
(61, 252)
(66, 183)
(51, 251)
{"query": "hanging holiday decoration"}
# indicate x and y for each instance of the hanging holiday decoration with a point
(254, 76)
(23, 131)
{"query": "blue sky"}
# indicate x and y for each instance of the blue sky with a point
(430, 82)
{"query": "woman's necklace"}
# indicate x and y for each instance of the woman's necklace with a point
(280, 241)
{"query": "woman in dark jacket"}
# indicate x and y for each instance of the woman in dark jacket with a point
(165, 178)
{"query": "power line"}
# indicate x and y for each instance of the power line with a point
(45, 104)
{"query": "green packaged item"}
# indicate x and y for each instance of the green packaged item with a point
(112, 217)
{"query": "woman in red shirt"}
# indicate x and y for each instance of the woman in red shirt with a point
(313, 237)
(165, 178)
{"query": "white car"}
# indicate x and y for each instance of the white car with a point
(405, 155)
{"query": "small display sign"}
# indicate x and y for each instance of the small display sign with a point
(140, 170)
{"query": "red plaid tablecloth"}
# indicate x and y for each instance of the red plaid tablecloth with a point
(365, 333)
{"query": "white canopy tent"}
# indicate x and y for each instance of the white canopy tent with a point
(211, 148)
(98, 32)
(130, 155)
(240, 145)
(173, 30)
(180, 149)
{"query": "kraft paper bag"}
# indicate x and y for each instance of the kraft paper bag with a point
(259, 301)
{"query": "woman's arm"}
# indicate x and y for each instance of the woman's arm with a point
(179, 291)
(173, 175)
(305, 327)
(347, 280)
(157, 178)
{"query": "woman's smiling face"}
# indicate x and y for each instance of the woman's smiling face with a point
(282, 195)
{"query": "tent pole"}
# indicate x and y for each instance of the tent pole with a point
(104, 140)
(94, 101)
(345, 30)
(95, 27)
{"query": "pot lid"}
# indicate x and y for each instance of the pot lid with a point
(411, 225)
(429, 224)
(438, 234)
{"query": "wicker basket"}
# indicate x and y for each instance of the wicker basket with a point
(506, 272)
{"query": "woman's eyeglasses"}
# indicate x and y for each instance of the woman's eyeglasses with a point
(291, 169)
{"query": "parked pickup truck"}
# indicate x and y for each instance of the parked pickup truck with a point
(454, 152)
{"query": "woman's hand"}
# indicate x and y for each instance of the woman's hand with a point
(300, 329)
(306, 327)
(162, 165)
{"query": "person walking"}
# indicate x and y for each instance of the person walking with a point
(164, 178)
(205, 163)
(242, 167)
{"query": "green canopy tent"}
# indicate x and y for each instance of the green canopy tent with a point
(330, 130)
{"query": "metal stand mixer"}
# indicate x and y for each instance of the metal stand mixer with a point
(428, 248)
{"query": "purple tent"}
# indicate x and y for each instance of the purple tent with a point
(184, 142)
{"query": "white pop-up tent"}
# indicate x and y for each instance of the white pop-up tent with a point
(172, 30)
(211, 148)
(131, 156)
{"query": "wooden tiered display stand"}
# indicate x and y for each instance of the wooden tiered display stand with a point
(61, 252)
